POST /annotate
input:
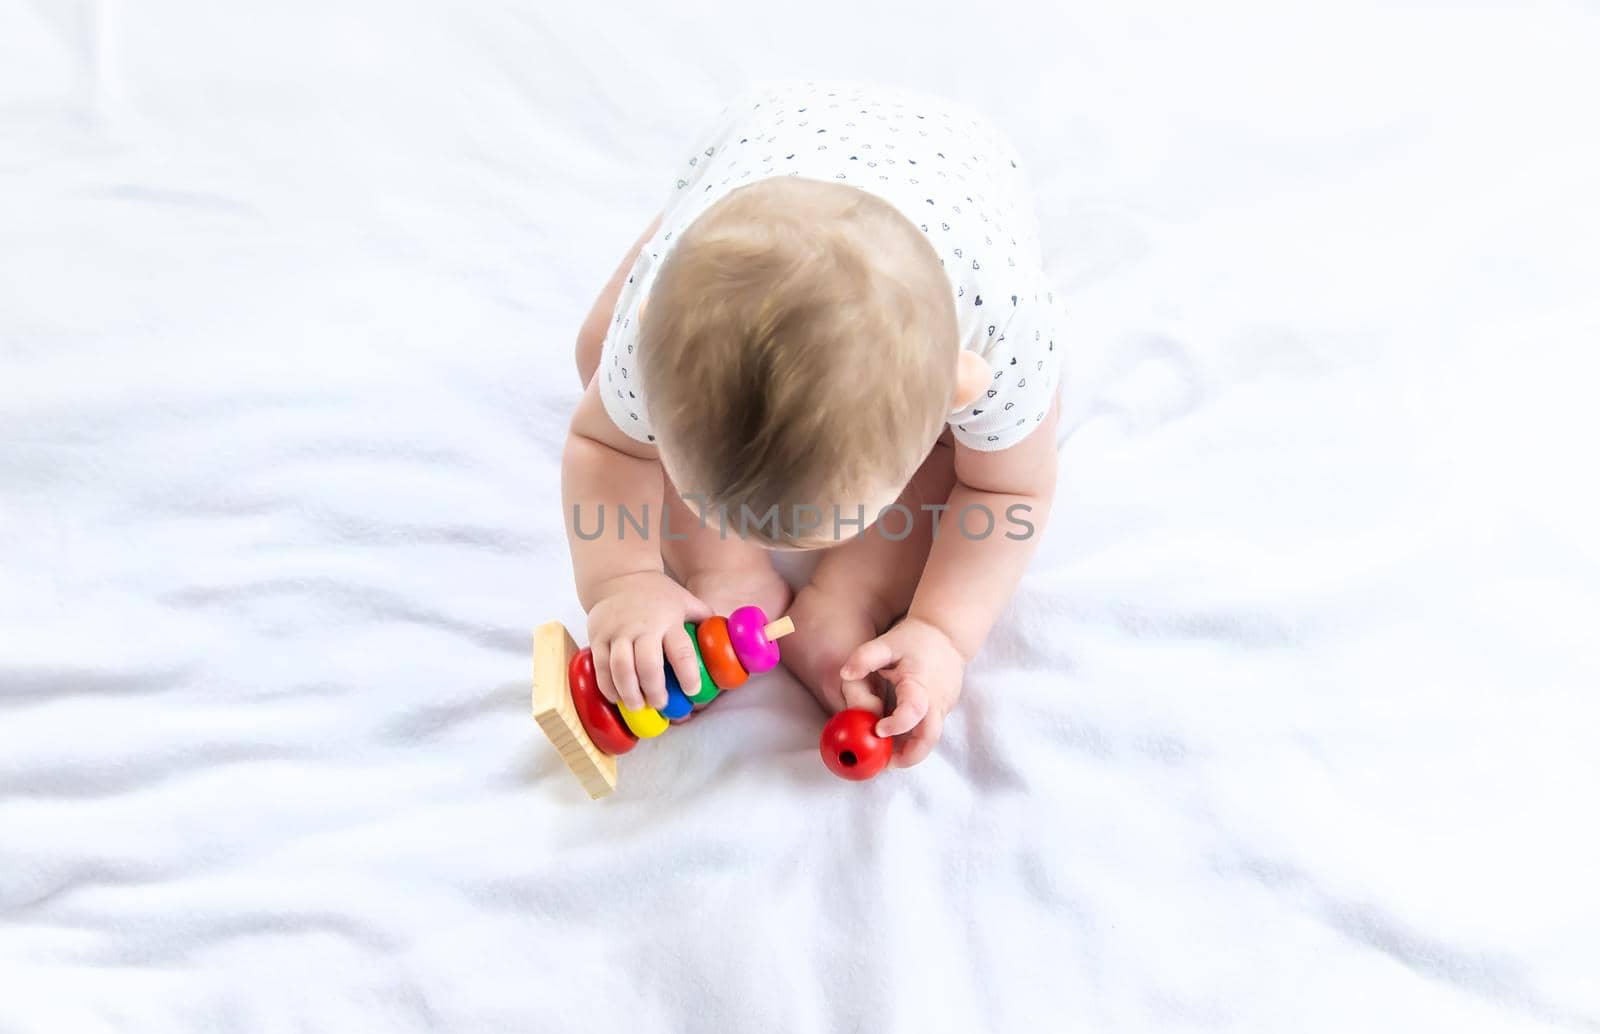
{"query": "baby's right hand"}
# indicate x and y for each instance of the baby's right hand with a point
(639, 618)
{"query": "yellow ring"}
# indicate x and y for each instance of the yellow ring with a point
(646, 722)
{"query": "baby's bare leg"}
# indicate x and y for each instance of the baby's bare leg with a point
(863, 586)
(718, 566)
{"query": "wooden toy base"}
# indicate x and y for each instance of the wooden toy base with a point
(553, 648)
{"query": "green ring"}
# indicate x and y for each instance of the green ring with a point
(708, 689)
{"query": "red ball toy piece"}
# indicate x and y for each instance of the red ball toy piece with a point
(851, 748)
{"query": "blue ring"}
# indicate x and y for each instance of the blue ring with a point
(678, 705)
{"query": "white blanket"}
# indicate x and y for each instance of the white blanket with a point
(1291, 726)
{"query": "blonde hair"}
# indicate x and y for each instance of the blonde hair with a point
(799, 344)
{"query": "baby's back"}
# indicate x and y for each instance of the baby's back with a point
(949, 170)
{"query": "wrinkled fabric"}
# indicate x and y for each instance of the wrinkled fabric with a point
(1290, 725)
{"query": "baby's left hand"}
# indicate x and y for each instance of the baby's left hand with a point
(925, 668)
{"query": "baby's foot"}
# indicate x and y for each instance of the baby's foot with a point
(827, 629)
(725, 590)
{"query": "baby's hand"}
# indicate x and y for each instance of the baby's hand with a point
(925, 668)
(640, 617)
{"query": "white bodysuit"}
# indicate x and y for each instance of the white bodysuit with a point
(945, 168)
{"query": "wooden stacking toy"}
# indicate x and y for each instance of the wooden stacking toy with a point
(589, 731)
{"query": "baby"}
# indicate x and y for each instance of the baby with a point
(836, 336)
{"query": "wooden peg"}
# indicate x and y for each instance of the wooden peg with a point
(779, 628)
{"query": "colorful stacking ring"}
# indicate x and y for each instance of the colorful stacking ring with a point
(747, 631)
(708, 689)
(646, 722)
(678, 705)
(600, 720)
(716, 653)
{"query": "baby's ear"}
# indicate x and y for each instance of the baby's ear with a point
(972, 374)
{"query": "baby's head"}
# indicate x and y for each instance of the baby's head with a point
(799, 351)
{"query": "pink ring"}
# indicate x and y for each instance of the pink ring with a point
(747, 631)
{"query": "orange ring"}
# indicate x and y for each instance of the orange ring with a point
(716, 650)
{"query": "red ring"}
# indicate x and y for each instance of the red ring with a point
(600, 720)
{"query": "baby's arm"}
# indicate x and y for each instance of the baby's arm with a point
(635, 610)
(964, 587)
(968, 581)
